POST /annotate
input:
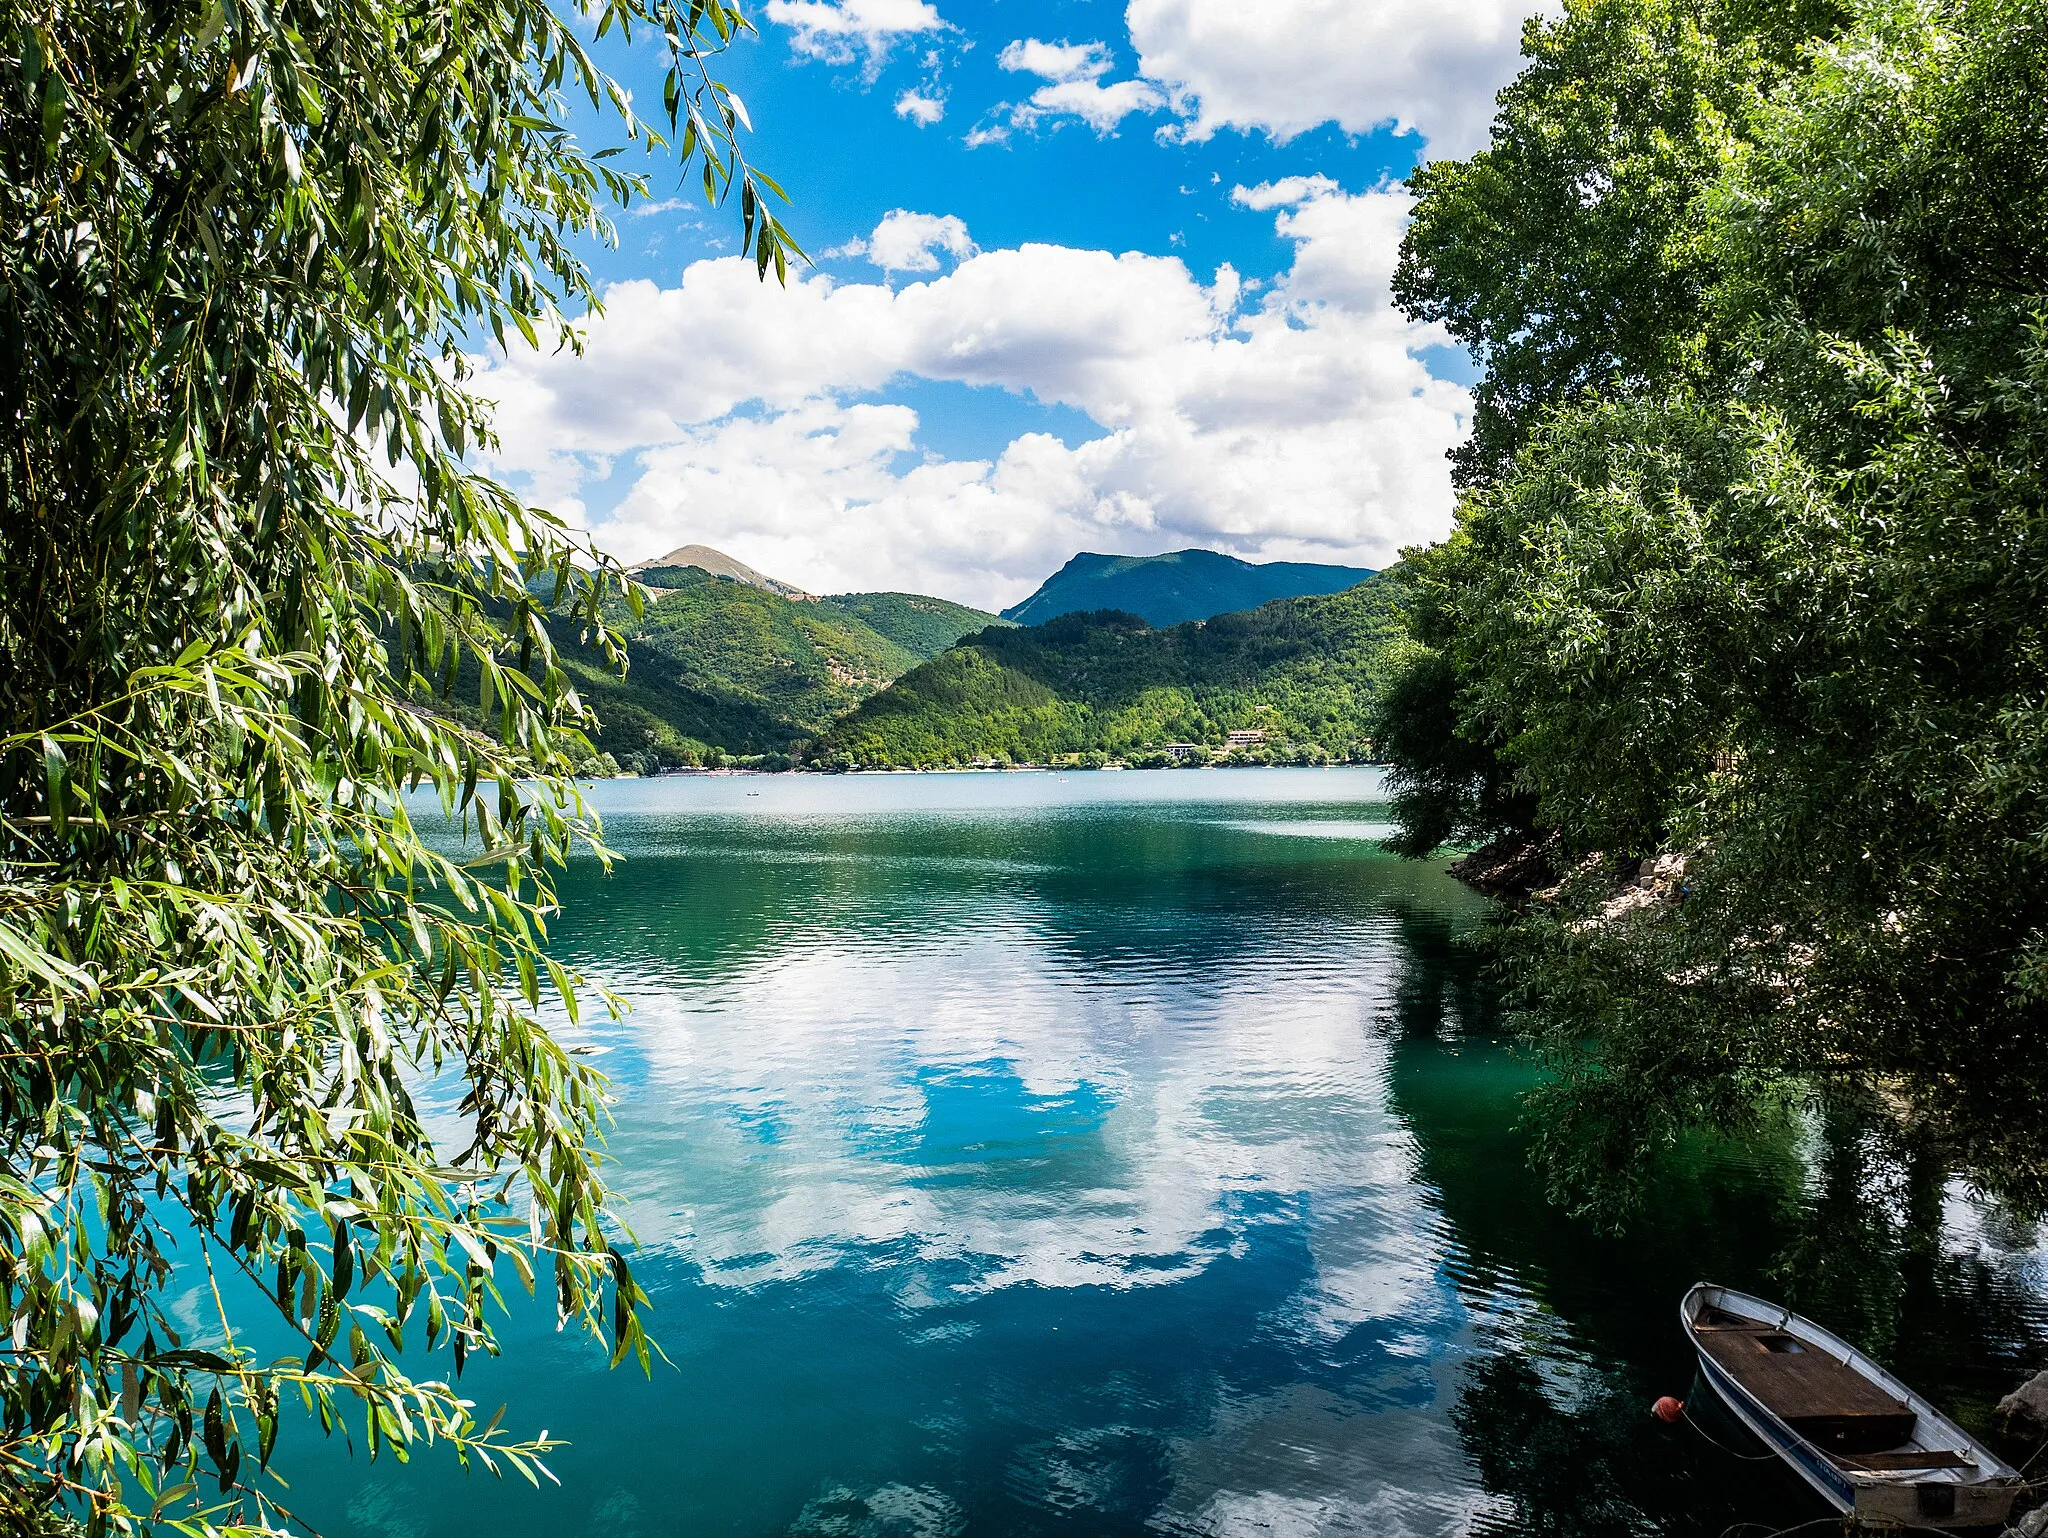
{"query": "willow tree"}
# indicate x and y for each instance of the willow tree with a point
(251, 247)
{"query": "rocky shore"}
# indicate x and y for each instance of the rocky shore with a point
(1513, 868)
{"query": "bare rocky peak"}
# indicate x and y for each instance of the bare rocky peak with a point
(719, 564)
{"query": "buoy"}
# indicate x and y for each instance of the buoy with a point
(1668, 1410)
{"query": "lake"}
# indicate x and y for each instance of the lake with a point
(1137, 1153)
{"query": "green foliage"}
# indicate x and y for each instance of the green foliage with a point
(1785, 616)
(1596, 625)
(247, 247)
(1565, 254)
(1846, 696)
(1446, 781)
(1896, 187)
(1302, 669)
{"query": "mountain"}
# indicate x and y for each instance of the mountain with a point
(1302, 671)
(925, 626)
(1180, 586)
(718, 662)
(655, 573)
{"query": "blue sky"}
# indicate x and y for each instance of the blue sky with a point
(1087, 276)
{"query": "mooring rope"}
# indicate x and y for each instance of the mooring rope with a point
(1731, 1452)
(1778, 1532)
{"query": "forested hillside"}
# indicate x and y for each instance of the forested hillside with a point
(922, 626)
(1109, 686)
(1748, 579)
(720, 668)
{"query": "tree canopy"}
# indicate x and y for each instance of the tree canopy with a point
(1759, 590)
(252, 246)
(1565, 253)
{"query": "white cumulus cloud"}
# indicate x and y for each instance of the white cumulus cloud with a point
(1284, 193)
(839, 31)
(908, 242)
(922, 109)
(1299, 424)
(1284, 67)
(1074, 88)
(1056, 61)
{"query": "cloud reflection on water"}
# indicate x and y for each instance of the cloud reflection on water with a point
(1044, 1082)
(964, 1095)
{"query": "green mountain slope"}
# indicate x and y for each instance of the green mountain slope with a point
(1176, 587)
(720, 664)
(724, 666)
(920, 625)
(1302, 670)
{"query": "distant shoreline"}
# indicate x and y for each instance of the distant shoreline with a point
(705, 774)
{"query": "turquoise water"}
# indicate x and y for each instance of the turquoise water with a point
(1134, 1153)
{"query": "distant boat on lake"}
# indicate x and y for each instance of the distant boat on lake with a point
(1873, 1448)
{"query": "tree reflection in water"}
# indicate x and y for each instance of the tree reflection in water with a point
(1837, 1210)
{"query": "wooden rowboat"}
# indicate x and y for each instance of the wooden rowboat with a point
(1875, 1450)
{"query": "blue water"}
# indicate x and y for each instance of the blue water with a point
(1134, 1153)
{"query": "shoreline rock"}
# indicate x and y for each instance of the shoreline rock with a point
(2024, 1412)
(1510, 868)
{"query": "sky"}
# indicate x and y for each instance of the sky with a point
(1084, 277)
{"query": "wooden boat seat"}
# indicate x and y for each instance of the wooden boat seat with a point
(1824, 1400)
(1925, 1458)
(1714, 1319)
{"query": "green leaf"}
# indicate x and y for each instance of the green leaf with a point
(56, 781)
(344, 1261)
(215, 1430)
(55, 97)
